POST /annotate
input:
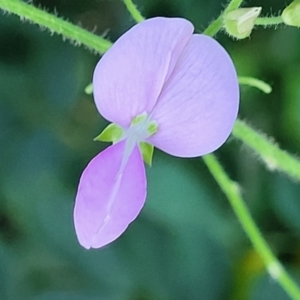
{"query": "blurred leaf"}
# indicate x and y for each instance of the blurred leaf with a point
(291, 109)
(179, 196)
(286, 204)
(5, 271)
(67, 296)
(45, 209)
(58, 72)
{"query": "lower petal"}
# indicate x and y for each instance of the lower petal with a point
(108, 198)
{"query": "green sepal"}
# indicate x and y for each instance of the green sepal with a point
(89, 89)
(139, 119)
(291, 14)
(240, 22)
(112, 133)
(152, 127)
(147, 152)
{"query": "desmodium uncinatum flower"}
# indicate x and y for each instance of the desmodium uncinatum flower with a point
(160, 85)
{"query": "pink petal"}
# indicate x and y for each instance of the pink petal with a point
(107, 202)
(129, 77)
(199, 104)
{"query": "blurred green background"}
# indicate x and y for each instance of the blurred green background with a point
(187, 243)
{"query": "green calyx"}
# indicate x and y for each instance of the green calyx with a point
(139, 119)
(147, 151)
(240, 22)
(112, 133)
(152, 127)
(291, 14)
(140, 129)
(141, 125)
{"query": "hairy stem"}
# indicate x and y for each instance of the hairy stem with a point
(231, 190)
(217, 24)
(269, 21)
(76, 34)
(269, 152)
(135, 13)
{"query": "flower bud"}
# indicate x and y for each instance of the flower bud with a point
(240, 22)
(291, 14)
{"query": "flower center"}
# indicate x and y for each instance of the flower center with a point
(141, 128)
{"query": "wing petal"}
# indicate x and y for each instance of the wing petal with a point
(198, 106)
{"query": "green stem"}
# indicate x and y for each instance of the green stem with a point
(75, 33)
(254, 82)
(135, 13)
(269, 21)
(270, 153)
(217, 24)
(231, 190)
(214, 27)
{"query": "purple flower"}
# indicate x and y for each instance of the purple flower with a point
(159, 85)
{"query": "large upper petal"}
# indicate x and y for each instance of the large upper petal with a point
(108, 201)
(129, 77)
(199, 103)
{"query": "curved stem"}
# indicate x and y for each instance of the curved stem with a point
(269, 21)
(54, 24)
(270, 153)
(214, 27)
(217, 24)
(231, 190)
(135, 13)
(257, 83)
